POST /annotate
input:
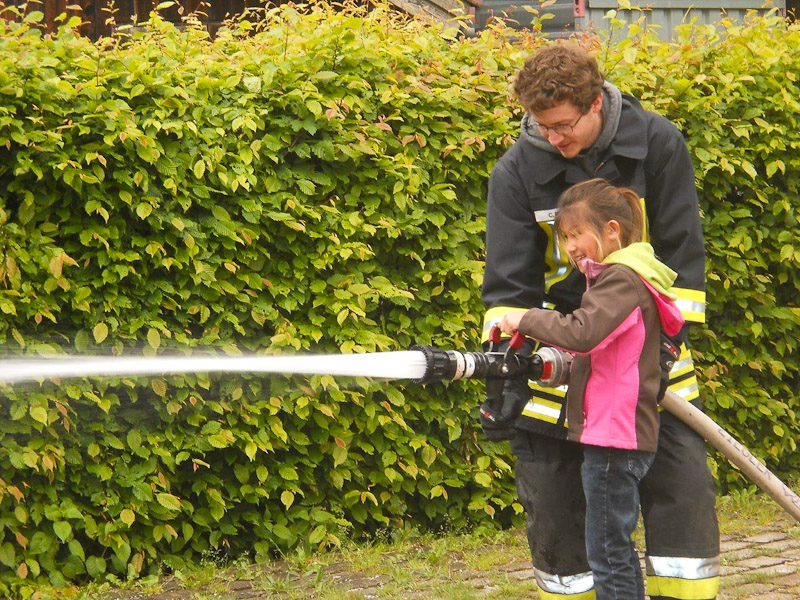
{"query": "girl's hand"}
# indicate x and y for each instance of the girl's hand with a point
(510, 322)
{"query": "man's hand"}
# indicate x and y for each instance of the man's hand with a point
(505, 400)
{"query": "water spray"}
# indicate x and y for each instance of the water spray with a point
(381, 365)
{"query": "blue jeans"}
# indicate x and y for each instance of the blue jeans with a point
(611, 485)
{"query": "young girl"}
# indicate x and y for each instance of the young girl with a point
(615, 375)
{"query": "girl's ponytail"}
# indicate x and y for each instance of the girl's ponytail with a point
(635, 231)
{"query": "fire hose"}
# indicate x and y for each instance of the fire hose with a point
(550, 368)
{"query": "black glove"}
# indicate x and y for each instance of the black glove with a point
(670, 352)
(505, 400)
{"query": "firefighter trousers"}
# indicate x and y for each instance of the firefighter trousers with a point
(677, 501)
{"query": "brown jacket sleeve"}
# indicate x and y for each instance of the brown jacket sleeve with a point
(614, 296)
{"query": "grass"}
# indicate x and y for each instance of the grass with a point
(747, 511)
(453, 567)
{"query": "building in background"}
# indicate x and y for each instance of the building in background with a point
(579, 15)
(568, 16)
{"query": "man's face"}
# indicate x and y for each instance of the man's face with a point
(569, 130)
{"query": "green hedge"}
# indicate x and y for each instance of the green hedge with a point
(315, 183)
(315, 186)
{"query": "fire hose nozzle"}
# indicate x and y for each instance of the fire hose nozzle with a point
(548, 366)
(556, 366)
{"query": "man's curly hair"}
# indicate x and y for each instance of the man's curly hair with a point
(560, 72)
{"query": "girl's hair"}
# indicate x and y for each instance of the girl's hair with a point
(595, 203)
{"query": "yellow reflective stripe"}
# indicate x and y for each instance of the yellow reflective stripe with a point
(557, 261)
(677, 386)
(560, 391)
(493, 316)
(681, 367)
(690, 294)
(692, 304)
(646, 224)
(683, 578)
(683, 589)
(541, 408)
(692, 316)
(688, 390)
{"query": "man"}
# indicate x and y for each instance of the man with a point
(577, 127)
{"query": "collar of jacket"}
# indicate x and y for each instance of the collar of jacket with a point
(640, 257)
(630, 142)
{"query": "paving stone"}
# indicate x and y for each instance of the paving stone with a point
(785, 544)
(734, 546)
(792, 580)
(770, 536)
(740, 555)
(776, 570)
(524, 574)
(728, 570)
(754, 590)
(761, 561)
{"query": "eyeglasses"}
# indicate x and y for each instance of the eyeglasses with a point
(562, 129)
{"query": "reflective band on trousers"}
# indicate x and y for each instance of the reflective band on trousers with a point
(683, 578)
(569, 586)
(683, 567)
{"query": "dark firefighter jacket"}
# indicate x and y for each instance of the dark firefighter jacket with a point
(525, 267)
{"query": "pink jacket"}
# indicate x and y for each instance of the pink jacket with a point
(615, 376)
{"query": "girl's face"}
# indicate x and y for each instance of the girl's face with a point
(582, 241)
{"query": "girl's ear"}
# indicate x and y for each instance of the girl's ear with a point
(613, 230)
(612, 237)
